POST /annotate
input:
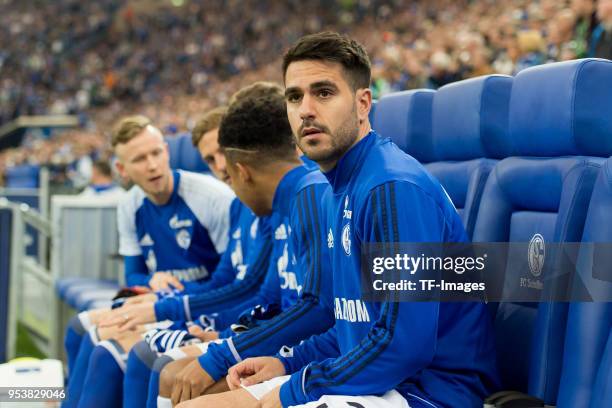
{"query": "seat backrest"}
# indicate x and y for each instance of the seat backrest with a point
(544, 197)
(589, 323)
(469, 132)
(184, 156)
(405, 117)
(602, 390)
(22, 176)
(372, 113)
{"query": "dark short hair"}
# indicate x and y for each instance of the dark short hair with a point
(103, 166)
(333, 47)
(256, 129)
(210, 121)
(259, 88)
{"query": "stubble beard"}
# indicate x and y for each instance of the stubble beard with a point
(341, 139)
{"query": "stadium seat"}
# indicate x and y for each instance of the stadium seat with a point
(405, 117)
(589, 323)
(74, 288)
(458, 132)
(562, 109)
(184, 156)
(372, 113)
(469, 133)
(602, 390)
(23, 176)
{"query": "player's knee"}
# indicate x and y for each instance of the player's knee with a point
(142, 352)
(161, 362)
(76, 325)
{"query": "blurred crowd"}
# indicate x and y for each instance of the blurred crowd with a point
(173, 59)
(69, 156)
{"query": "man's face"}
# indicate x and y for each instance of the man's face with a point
(322, 110)
(146, 162)
(212, 155)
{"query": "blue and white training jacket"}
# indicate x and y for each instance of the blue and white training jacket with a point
(184, 237)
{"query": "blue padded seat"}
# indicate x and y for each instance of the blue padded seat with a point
(550, 115)
(524, 197)
(74, 290)
(602, 390)
(70, 286)
(589, 324)
(183, 155)
(84, 299)
(97, 304)
(405, 117)
(372, 113)
(23, 176)
(457, 132)
(469, 132)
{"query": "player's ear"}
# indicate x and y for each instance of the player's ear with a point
(363, 98)
(244, 172)
(121, 169)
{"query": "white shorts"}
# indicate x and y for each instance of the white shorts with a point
(391, 399)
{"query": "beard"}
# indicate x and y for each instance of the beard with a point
(337, 143)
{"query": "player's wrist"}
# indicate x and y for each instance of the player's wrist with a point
(277, 366)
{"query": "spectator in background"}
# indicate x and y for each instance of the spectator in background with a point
(559, 34)
(443, 70)
(109, 58)
(601, 42)
(586, 20)
(531, 49)
(102, 183)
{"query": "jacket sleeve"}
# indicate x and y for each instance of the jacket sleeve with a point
(317, 348)
(392, 350)
(311, 314)
(233, 298)
(136, 272)
(224, 299)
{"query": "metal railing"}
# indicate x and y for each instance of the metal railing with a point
(31, 283)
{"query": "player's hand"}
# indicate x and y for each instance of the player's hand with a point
(130, 316)
(202, 334)
(272, 399)
(253, 371)
(145, 298)
(190, 383)
(164, 281)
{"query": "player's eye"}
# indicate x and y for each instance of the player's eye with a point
(324, 93)
(293, 98)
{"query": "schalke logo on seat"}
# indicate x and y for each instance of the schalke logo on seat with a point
(536, 254)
